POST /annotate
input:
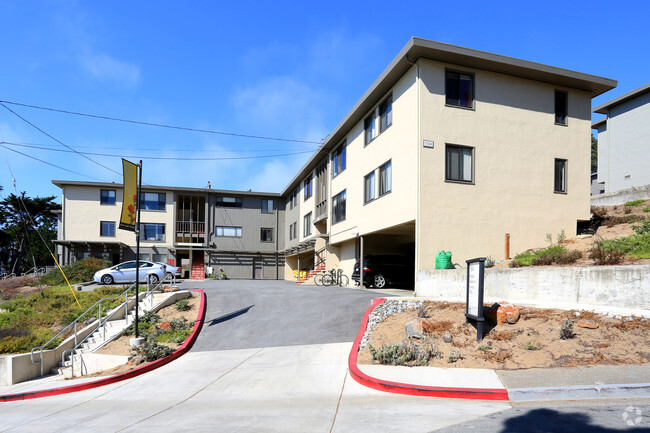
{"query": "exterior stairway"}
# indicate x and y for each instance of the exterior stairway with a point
(85, 362)
(309, 279)
(198, 271)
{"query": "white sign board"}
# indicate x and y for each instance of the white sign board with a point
(473, 289)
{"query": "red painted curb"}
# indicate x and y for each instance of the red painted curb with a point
(182, 349)
(412, 389)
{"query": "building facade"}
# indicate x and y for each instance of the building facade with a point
(624, 141)
(450, 149)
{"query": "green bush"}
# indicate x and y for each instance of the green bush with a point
(78, 272)
(603, 255)
(405, 352)
(642, 228)
(635, 246)
(151, 350)
(145, 323)
(634, 203)
(553, 254)
(646, 209)
(182, 305)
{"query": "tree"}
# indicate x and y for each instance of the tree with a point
(594, 154)
(20, 244)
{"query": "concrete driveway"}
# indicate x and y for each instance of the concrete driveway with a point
(272, 356)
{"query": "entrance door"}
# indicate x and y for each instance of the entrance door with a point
(257, 268)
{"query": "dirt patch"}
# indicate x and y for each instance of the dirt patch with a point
(122, 345)
(533, 342)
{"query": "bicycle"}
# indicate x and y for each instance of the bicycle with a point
(335, 277)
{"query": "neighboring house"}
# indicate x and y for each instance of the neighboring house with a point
(198, 229)
(624, 141)
(450, 149)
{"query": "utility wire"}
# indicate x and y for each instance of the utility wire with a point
(159, 125)
(49, 163)
(172, 158)
(58, 141)
(158, 149)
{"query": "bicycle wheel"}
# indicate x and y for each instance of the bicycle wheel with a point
(344, 280)
(327, 280)
(318, 279)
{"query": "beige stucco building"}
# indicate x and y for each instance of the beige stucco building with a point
(450, 149)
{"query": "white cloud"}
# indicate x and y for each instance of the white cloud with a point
(105, 67)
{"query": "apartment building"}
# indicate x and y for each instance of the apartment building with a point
(450, 149)
(623, 141)
(201, 230)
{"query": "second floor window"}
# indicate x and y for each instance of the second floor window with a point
(229, 201)
(293, 231)
(306, 230)
(152, 201)
(560, 176)
(338, 160)
(561, 107)
(152, 232)
(308, 187)
(107, 196)
(266, 235)
(385, 181)
(107, 228)
(267, 206)
(459, 164)
(225, 231)
(338, 207)
(369, 187)
(459, 89)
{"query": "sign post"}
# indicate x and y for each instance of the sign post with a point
(474, 294)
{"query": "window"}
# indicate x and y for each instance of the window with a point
(370, 127)
(267, 206)
(107, 196)
(385, 182)
(458, 165)
(293, 230)
(230, 232)
(266, 235)
(152, 232)
(306, 221)
(107, 228)
(561, 110)
(294, 199)
(160, 258)
(338, 207)
(385, 114)
(338, 160)
(228, 201)
(369, 187)
(152, 201)
(308, 187)
(560, 175)
(459, 89)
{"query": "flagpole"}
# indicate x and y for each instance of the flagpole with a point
(137, 250)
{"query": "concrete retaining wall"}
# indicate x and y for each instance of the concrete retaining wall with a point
(622, 287)
(621, 197)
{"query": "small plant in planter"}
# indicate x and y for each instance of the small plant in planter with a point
(222, 275)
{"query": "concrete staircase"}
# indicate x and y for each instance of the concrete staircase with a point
(87, 362)
(309, 279)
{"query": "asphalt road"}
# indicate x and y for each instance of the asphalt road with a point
(261, 313)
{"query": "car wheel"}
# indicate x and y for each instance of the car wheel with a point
(379, 281)
(107, 279)
(153, 279)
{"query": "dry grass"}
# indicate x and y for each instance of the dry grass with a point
(431, 327)
(501, 335)
(499, 356)
(633, 322)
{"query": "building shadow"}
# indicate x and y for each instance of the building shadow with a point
(230, 316)
(551, 421)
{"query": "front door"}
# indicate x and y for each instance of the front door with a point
(257, 269)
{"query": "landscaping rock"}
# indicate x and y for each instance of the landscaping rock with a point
(414, 328)
(601, 345)
(502, 312)
(447, 337)
(589, 324)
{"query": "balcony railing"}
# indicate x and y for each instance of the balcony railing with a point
(321, 211)
(190, 227)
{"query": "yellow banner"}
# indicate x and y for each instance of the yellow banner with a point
(130, 201)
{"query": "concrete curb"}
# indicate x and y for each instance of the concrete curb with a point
(580, 392)
(413, 389)
(182, 349)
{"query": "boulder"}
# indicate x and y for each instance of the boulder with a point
(589, 324)
(414, 328)
(502, 312)
(447, 337)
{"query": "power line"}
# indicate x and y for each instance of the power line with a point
(58, 141)
(170, 158)
(49, 163)
(159, 125)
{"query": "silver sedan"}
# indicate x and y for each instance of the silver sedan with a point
(125, 273)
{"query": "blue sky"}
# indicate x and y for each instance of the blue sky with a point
(288, 70)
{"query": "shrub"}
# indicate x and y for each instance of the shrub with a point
(553, 254)
(151, 350)
(635, 246)
(145, 323)
(599, 211)
(634, 203)
(646, 209)
(531, 346)
(489, 262)
(569, 257)
(605, 256)
(78, 272)
(404, 352)
(561, 237)
(642, 228)
(627, 210)
(454, 356)
(566, 330)
(182, 305)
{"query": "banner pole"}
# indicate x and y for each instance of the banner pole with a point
(137, 250)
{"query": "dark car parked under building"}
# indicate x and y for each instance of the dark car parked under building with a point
(381, 270)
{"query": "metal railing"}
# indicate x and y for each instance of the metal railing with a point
(190, 227)
(5, 275)
(34, 272)
(101, 321)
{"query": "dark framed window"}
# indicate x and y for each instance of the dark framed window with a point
(152, 232)
(561, 107)
(308, 187)
(107, 196)
(338, 207)
(459, 165)
(267, 206)
(385, 178)
(266, 235)
(228, 232)
(370, 127)
(339, 160)
(369, 187)
(294, 199)
(228, 201)
(560, 183)
(293, 230)
(152, 201)
(385, 114)
(306, 222)
(459, 89)
(107, 228)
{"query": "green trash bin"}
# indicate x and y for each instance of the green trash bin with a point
(443, 260)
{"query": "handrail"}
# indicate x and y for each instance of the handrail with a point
(40, 270)
(102, 323)
(5, 275)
